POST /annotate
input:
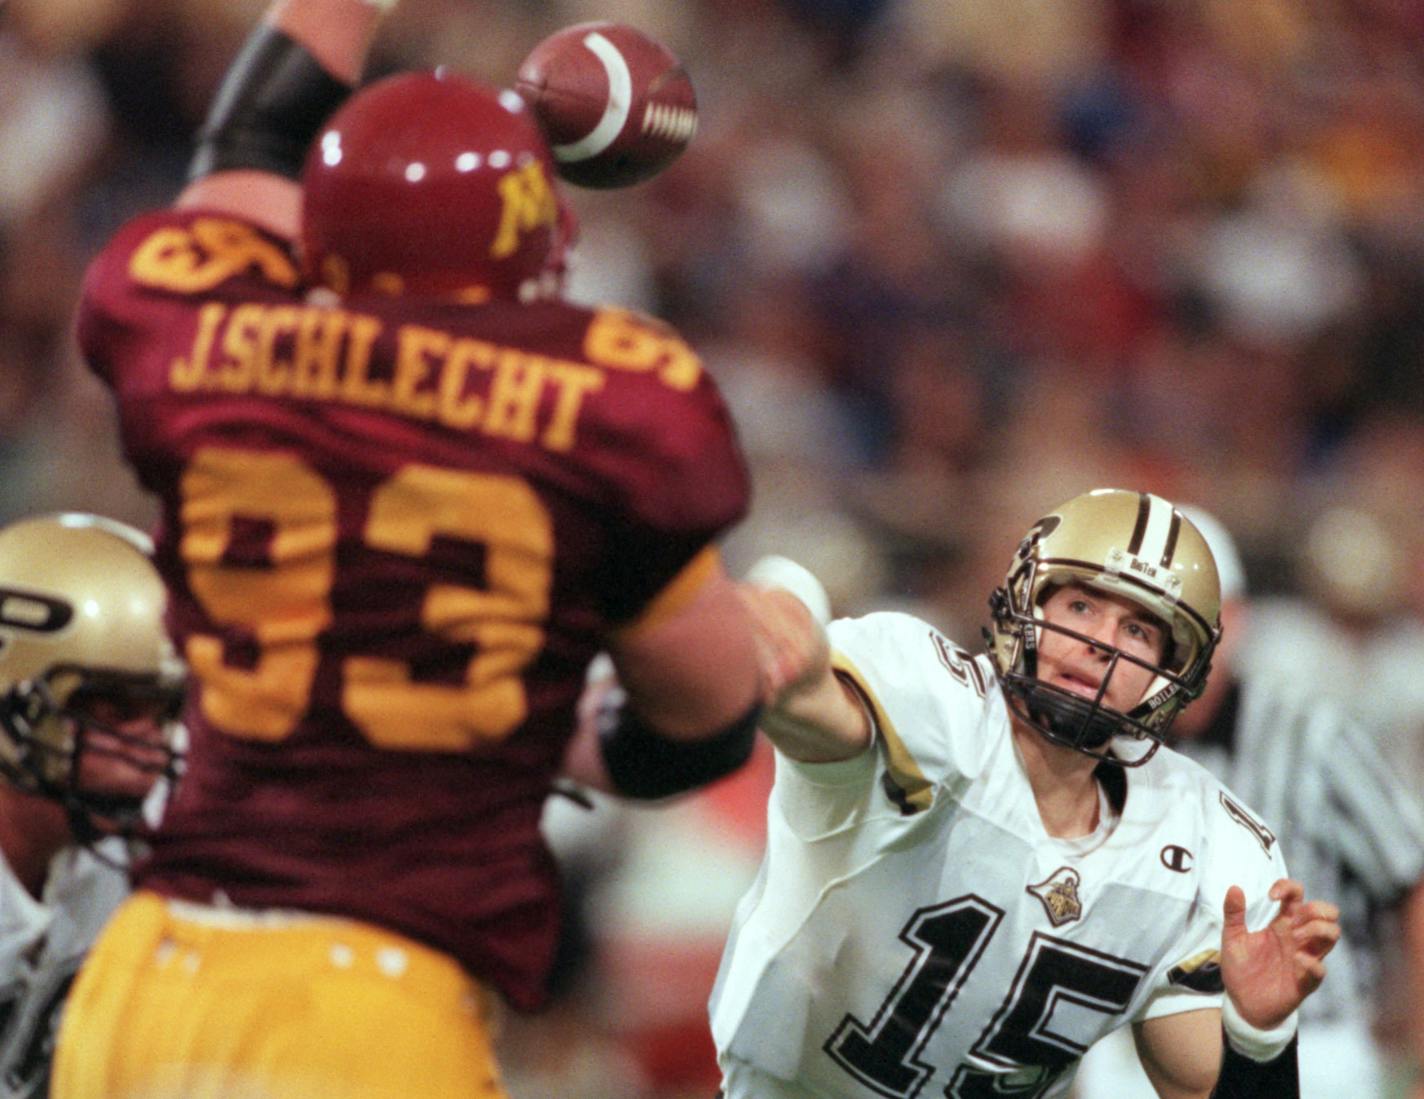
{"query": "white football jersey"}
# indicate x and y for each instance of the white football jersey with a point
(41, 946)
(914, 930)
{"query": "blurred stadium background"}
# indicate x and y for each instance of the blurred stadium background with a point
(951, 263)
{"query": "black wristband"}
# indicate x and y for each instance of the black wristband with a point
(273, 101)
(645, 764)
(1243, 1078)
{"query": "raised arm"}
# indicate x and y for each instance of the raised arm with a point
(1248, 1048)
(297, 67)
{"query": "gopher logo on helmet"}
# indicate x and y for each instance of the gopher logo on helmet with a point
(1059, 894)
(529, 203)
(436, 185)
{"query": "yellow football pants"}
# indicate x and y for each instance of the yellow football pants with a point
(181, 1002)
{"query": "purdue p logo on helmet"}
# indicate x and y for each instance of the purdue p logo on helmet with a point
(1133, 545)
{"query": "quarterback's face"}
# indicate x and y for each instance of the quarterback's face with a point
(1079, 666)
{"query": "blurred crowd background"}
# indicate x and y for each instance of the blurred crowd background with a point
(952, 263)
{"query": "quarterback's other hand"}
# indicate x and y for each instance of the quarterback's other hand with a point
(1269, 973)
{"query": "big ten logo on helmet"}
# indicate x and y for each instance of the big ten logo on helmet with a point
(529, 203)
(1160, 577)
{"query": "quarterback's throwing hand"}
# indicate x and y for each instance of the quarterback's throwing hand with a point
(1269, 973)
(789, 609)
(791, 644)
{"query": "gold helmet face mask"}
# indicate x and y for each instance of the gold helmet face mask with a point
(1132, 545)
(90, 686)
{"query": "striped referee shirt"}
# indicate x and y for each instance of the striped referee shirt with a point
(1351, 827)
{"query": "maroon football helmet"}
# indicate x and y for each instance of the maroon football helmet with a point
(431, 183)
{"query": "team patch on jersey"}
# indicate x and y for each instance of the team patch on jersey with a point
(1200, 973)
(1059, 894)
(1264, 836)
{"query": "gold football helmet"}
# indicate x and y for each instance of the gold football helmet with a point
(90, 685)
(1129, 544)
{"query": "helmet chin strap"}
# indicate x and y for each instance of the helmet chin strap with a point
(1069, 719)
(1072, 721)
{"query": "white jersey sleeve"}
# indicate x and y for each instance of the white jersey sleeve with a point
(927, 699)
(23, 921)
(42, 944)
(1236, 848)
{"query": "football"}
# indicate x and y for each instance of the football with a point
(616, 106)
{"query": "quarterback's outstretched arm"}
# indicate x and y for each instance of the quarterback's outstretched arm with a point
(297, 67)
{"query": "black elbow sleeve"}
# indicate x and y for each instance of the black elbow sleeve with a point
(644, 764)
(272, 103)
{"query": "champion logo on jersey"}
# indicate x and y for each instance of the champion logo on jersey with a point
(1059, 894)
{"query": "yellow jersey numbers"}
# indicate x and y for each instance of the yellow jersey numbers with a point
(202, 256)
(284, 603)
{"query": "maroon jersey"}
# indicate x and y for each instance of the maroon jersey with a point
(394, 532)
